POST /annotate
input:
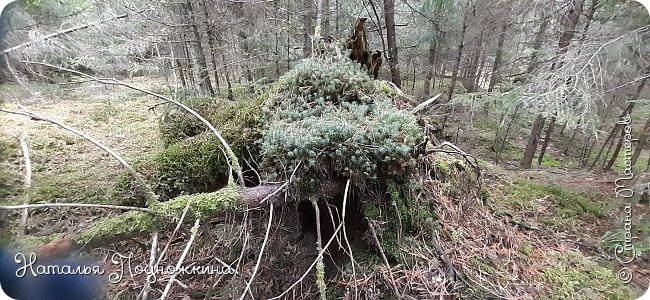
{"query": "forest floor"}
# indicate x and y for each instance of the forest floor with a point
(575, 208)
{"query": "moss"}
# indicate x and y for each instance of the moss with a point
(385, 88)
(10, 183)
(193, 160)
(330, 116)
(119, 227)
(134, 222)
(524, 192)
(573, 276)
(32, 242)
(526, 249)
(205, 204)
(47, 192)
(482, 266)
(402, 215)
(72, 184)
(235, 121)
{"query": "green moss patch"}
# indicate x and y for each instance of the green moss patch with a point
(573, 276)
(332, 118)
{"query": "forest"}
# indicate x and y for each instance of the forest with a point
(324, 149)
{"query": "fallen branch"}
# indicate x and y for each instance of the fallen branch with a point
(227, 151)
(194, 230)
(150, 196)
(69, 30)
(24, 148)
(48, 205)
(165, 215)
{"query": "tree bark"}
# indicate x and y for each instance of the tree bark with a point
(588, 18)
(547, 140)
(459, 55)
(326, 18)
(538, 43)
(228, 83)
(389, 17)
(307, 16)
(617, 150)
(533, 140)
(494, 77)
(569, 30)
(642, 143)
(204, 80)
(212, 37)
(571, 21)
(472, 71)
(430, 70)
(626, 111)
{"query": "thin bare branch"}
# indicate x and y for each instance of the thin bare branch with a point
(151, 197)
(228, 153)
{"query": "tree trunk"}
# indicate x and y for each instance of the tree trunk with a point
(565, 39)
(389, 17)
(643, 142)
(533, 140)
(588, 18)
(617, 150)
(626, 111)
(204, 80)
(563, 127)
(459, 55)
(537, 44)
(307, 16)
(480, 73)
(414, 78)
(472, 71)
(499, 147)
(178, 61)
(494, 77)
(326, 18)
(212, 37)
(547, 139)
(569, 30)
(613, 133)
(430, 69)
(136, 223)
(228, 83)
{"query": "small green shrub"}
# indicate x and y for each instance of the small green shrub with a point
(331, 117)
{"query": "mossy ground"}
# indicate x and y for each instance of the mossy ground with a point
(569, 209)
(67, 168)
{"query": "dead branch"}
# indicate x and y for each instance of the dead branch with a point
(151, 197)
(194, 230)
(163, 215)
(24, 148)
(227, 151)
(69, 30)
(455, 150)
(48, 205)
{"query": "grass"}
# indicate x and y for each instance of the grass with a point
(573, 276)
(67, 168)
(552, 206)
